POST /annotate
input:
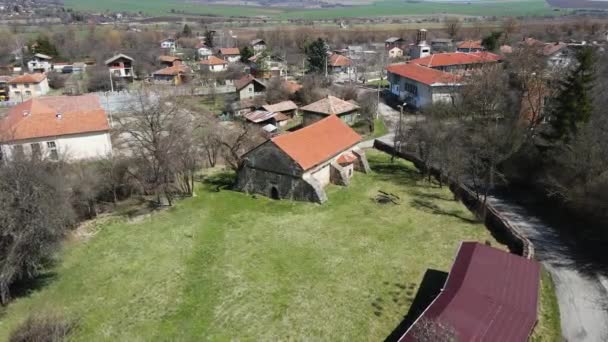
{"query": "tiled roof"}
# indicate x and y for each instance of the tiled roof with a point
(258, 116)
(506, 49)
(28, 79)
(245, 80)
(552, 48)
(258, 41)
(470, 44)
(317, 143)
(292, 86)
(38, 117)
(330, 105)
(456, 58)
(169, 59)
(119, 56)
(347, 158)
(490, 295)
(337, 60)
(423, 74)
(172, 70)
(281, 106)
(229, 51)
(393, 39)
(212, 60)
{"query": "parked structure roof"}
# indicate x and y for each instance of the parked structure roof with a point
(393, 39)
(490, 295)
(317, 143)
(423, 74)
(330, 105)
(54, 116)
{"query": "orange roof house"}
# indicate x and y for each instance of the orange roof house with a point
(298, 165)
(470, 46)
(75, 124)
(451, 60)
(330, 105)
(423, 74)
(174, 74)
(337, 60)
(213, 63)
(28, 79)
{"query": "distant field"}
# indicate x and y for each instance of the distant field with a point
(380, 8)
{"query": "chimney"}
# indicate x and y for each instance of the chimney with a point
(421, 36)
(58, 115)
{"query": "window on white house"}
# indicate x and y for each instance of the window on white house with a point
(18, 150)
(52, 147)
(28, 93)
(27, 85)
(14, 86)
(36, 150)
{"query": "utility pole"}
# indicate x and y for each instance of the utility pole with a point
(111, 82)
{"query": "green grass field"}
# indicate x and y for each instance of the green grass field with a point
(226, 266)
(379, 8)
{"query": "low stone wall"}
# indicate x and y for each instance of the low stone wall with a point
(500, 227)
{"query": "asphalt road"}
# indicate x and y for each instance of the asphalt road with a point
(581, 292)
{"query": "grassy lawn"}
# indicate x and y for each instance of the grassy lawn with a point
(227, 266)
(549, 326)
(377, 8)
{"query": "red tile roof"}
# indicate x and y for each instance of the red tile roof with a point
(37, 117)
(245, 80)
(172, 70)
(490, 295)
(212, 60)
(470, 44)
(317, 143)
(284, 106)
(423, 74)
(337, 60)
(347, 158)
(169, 59)
(456, 58)
(28, 78)
(229, 51)
(330, 105)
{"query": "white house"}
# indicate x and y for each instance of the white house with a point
(395, 52)
(420, 86)
(248, 87)
(40, 63)
(59, 127)
(230, 55)
(203, 51)
(27, 86)
(121, 67)
(258, 45)
(213, 64)
(168, 43)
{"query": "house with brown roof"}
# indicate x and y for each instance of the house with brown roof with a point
(27, 86)
(230, 55)
(419, 86)
(348, 111)
(489, 295)
(299, 165)
(40, 63)
(339, 64)
(470, 46)
(172, 75)
(258, 45)
(213, 64)
(287, 108)
(66, 127)
(248, 87)
(169, 61)
(121, 67)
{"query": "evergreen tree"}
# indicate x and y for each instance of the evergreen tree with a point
(43, 45)
(491, 42)
(187, 31)
(316, 54)
(246, 53)
(209, 37)
(573, 105)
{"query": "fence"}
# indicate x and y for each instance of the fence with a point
(500, 227)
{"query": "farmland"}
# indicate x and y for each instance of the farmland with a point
(379, 8)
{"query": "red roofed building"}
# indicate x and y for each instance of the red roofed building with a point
(490, 295)
(298, 165)
(173, 75)
(457, 61)
(24, 87)
(213, 64)
(230, 55)
(339, 64)
(470, 46)
(70, 127)
(348, 111)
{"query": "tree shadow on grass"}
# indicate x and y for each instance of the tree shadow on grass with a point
(430, 197)
(430, 287)
(25, 287)
(430, 207)
(396, 173)
(220, 181)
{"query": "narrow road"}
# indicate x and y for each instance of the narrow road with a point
(581, 292)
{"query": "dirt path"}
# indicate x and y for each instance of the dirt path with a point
(582, 293)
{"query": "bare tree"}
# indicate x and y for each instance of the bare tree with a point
(238, 140)
(453, 25)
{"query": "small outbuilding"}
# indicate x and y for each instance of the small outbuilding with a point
(299, 165)
(330, 105)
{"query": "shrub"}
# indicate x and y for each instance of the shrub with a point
(43, 328)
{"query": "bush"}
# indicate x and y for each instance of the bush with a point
(43, 328)
(56, 80)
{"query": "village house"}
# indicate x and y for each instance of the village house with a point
(242, 107)
(457, 62)
(172, 75)
(470, 46)
(248, 87)
(394, 42)
(348, 111)
(439, 45)
(489, 295)
(269, 121)
(287, 108)
(169, 44)
(419, 86)
(395, 52)
(558, 55)
(59, 127)
(230, 55)
(27, 86)
(169, 61)
(299, 165)
(40, 63)
(258, 45)
(121, 67)
(267, 66)
(421, 48)
(339, 64)
(203, 51)
(213, 64)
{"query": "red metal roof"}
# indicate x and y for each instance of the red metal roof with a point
(423, 74)
(490, 295)
(317, 143)
(229, 51)
(456, 58)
